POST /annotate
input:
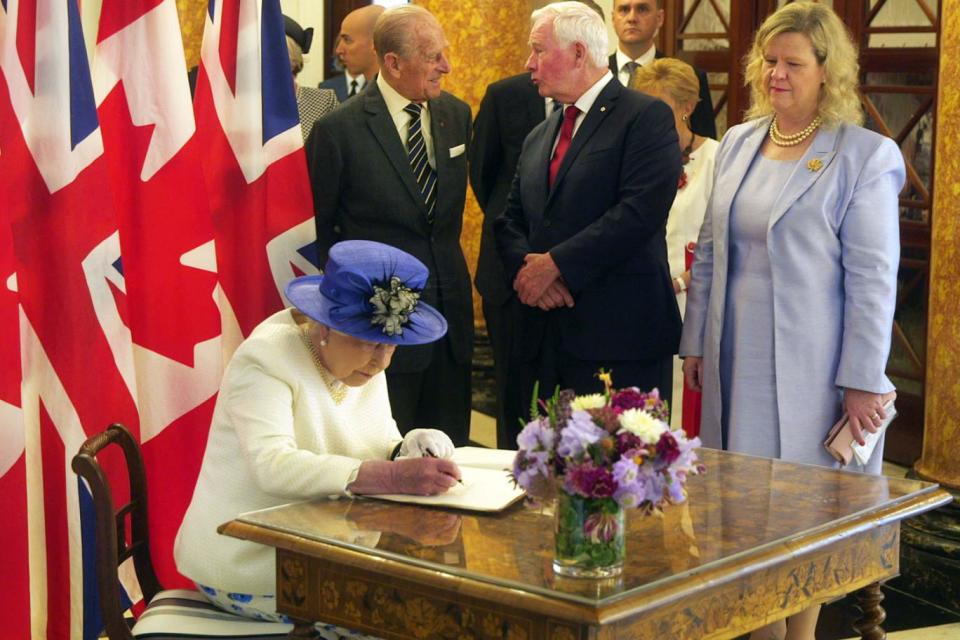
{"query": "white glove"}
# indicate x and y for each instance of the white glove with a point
(422, 443)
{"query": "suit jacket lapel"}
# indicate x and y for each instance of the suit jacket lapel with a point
(813, 165)
(385, 132)
(439, 128)
(602, 106)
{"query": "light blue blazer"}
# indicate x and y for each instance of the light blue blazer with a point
(834, 246)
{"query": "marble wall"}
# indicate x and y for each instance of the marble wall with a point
(487, 43)
(941, 439)
(191, 28)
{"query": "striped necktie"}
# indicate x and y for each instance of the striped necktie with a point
(417, 155)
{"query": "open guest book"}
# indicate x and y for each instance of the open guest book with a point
(487, 485)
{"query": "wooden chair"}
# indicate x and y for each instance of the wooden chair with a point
(176, 613)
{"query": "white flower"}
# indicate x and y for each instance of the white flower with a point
(589, 401)
(643, 425)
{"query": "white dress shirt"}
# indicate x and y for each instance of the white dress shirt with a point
(361, 81)
(401, 119)
(584, 103)
(623, 73)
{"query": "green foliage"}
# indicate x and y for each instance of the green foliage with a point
(573, 544)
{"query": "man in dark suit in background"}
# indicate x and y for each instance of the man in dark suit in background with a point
(510, 109)
(582, 234)
(355, 52)
(636, 23)
(391, 166)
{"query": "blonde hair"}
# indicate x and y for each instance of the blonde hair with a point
(834, 50)
(673, 77)
(296, 56)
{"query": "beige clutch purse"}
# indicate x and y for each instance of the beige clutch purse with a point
(841, 445)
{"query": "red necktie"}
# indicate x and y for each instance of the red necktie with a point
(566, 134)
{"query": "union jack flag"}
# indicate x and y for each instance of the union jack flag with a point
(75, 351)
(14, 588)
(254, 163)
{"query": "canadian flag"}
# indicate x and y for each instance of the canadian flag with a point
(168, 267)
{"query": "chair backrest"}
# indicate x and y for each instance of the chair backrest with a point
(111, 524)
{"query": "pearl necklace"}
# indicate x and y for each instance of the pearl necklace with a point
(792, 140)
(338, 390)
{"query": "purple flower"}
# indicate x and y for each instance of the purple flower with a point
(531, 472)
(667, 449)
(629, 398)
(590, 481)
(538, 435)
(627, 441)
(579, 433)
(601, 527)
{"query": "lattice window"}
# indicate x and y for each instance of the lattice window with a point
(902, 23)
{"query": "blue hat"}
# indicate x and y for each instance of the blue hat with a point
(370, 291)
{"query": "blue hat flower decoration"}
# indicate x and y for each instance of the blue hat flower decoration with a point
(370, 291)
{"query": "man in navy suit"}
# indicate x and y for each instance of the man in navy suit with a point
(636, 23)
(582, 233)
(355, 52)
(510, 109)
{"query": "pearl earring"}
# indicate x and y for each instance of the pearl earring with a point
(323, 342)
(684, 117)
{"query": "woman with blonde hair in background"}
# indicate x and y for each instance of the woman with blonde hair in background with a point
(790, 307)
(676, 83)
(312, 103)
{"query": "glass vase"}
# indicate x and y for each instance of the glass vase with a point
(589, 537)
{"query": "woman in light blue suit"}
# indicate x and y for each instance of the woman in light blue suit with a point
(790, 306)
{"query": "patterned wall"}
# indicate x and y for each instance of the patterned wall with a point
(191, 26)
(487, 42)
(942, 428)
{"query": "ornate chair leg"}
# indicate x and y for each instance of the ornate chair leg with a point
(872, 614)
(302, 629)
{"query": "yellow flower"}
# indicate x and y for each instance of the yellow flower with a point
(589, 401)
(815, 164)
(643, 425)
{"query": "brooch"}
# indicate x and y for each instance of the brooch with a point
(815, 164)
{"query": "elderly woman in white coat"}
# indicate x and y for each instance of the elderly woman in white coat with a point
(791, 301)
(303, 413)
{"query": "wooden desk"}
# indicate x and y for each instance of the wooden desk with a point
(757, 540)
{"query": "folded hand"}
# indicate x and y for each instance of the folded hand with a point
(557, 295)
(536, 275)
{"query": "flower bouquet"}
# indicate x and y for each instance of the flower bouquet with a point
(600, 454)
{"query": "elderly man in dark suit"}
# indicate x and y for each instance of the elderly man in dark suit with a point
(582, 235)
(510, 109)
(636, 23)
(391, 166)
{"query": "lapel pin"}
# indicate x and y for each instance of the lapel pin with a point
(814, 164)
(602, 109)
